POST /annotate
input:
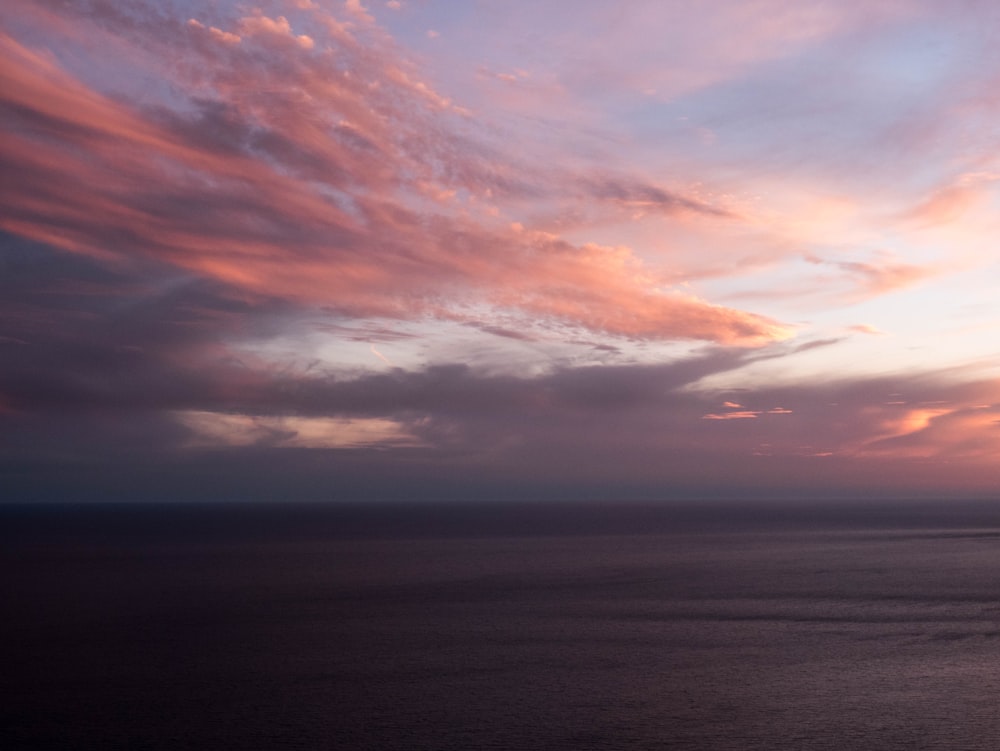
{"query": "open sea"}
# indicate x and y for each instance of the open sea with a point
(697, 626)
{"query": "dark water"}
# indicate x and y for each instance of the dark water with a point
(503, 627)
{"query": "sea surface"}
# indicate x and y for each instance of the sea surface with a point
(704, 625)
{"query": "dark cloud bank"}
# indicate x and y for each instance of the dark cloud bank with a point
(99, 363)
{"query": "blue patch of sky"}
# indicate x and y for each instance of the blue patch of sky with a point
(826, 107)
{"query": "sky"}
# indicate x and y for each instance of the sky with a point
(326, 250)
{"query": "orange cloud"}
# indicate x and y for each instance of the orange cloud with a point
(742, 415)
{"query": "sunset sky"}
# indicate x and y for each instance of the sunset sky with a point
(328, 250)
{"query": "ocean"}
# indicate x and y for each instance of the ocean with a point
(697, 626)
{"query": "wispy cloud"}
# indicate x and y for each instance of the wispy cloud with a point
(879, 276)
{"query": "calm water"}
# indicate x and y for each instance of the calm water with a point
(505, 627)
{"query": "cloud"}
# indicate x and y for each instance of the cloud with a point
(126, 365)
(278, 29)
(866, 328)
(356, 9)
(297, 167)
(637, 194)
(451, 426)
(739, 415)
(215, 430)
(878, 277)
(815, 344)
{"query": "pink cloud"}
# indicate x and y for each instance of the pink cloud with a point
(950, 202)
(879, 277)
(297, 170)
(357, 10)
